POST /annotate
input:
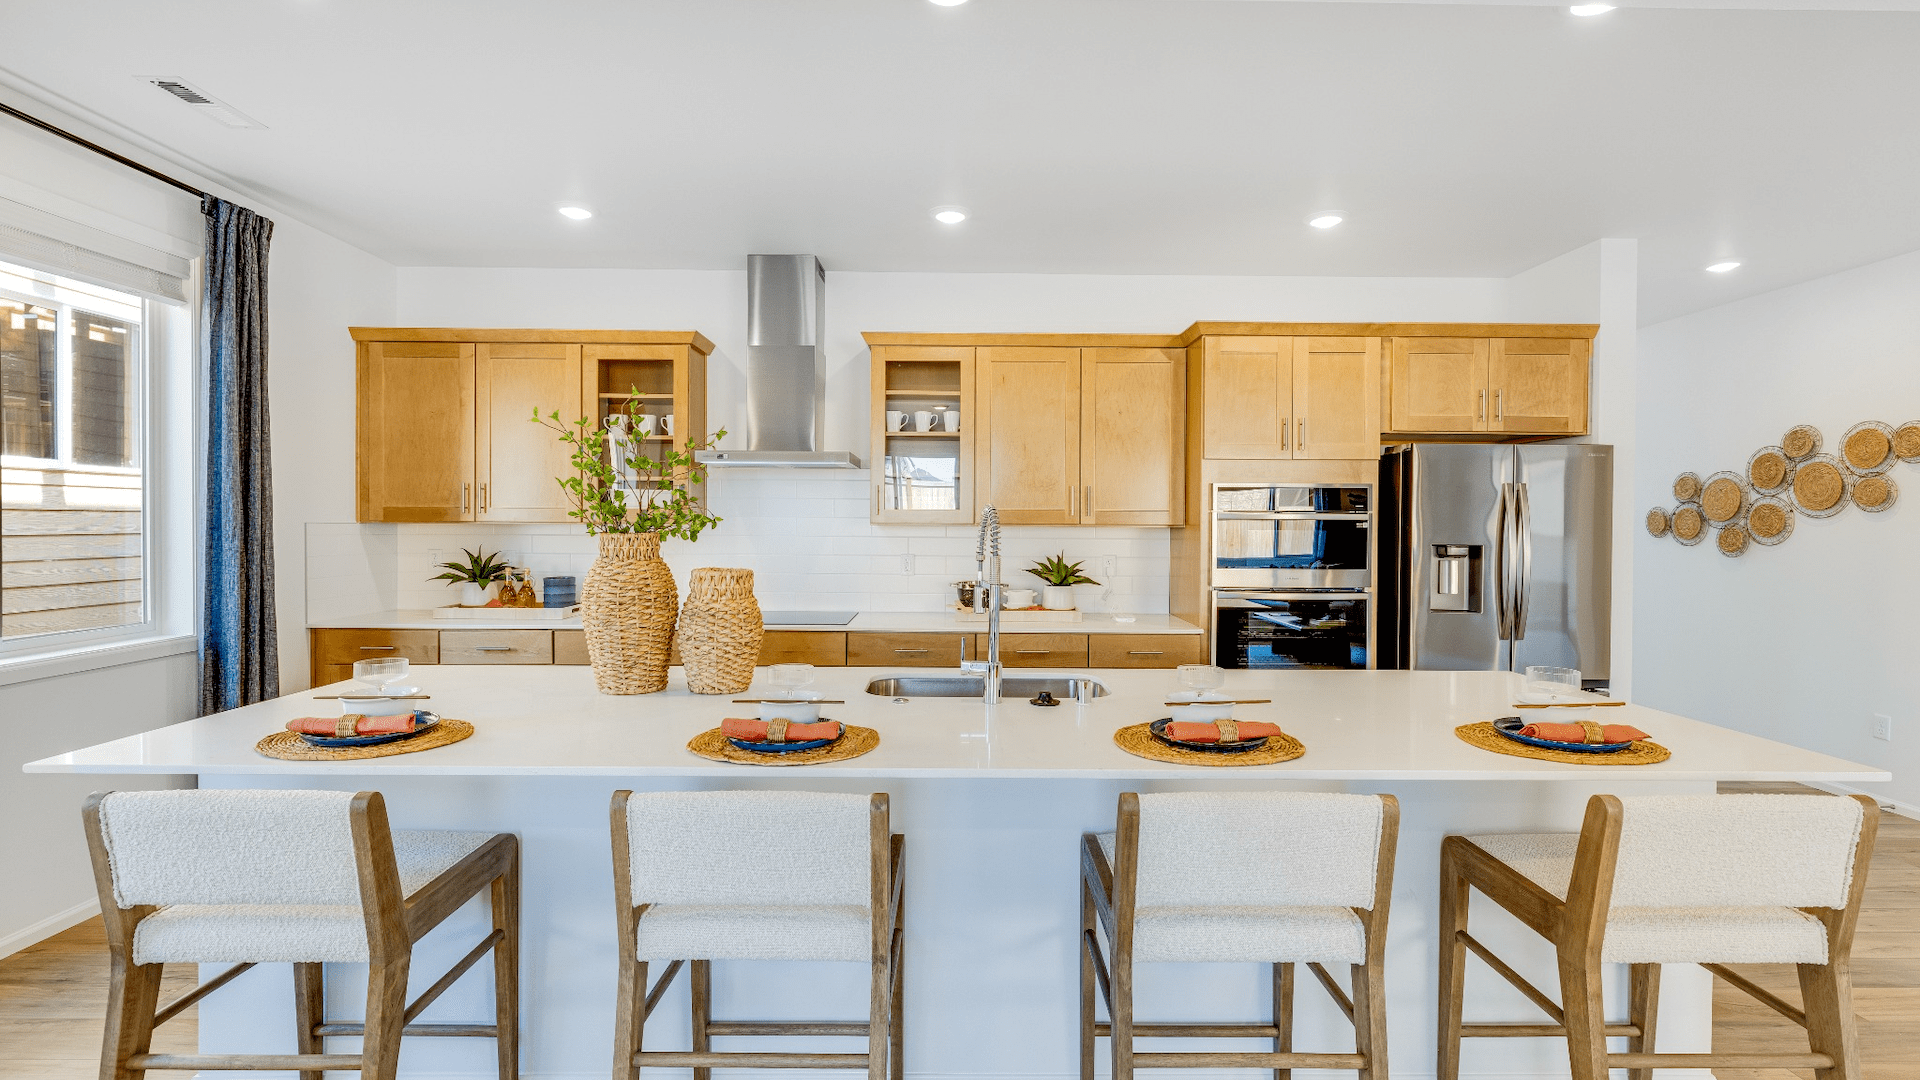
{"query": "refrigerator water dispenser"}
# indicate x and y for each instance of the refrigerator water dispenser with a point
(1456, 578)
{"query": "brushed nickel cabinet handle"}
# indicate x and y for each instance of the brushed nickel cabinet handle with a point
(493, 648)
(1497, 409)
(466, 497)
(1145, 652)
(1283, 434)
(910, 650)
(1300, 440)
(485, 505)
(377, 648)
(1482, 414)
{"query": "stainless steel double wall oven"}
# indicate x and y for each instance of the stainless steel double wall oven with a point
(1292, 575)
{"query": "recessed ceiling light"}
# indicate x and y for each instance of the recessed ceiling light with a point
(577, 213)
(949, 215)
(1723, 267)
(947, 3)
(1325, 219)
(1585, 10)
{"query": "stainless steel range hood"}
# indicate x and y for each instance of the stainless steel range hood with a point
(786, 369)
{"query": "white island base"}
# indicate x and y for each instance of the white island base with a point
(992, 803)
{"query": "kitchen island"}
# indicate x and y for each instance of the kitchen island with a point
(992, 801)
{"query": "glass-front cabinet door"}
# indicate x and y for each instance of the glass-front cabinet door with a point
(922, 462)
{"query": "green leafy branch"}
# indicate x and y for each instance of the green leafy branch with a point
(658, 498)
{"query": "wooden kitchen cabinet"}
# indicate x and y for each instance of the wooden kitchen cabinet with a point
(1028, 440)
(1145, 650)
(1037, 650)
(923, 476)
(496, 646)
(331, 652)
(1496, 385)
(444, 414)
(1439, 384)
(871, 649)
(1539, 385)
(414, 437)
(1298, 397)
(1133, 407)
(821, 648)
(1336, 398)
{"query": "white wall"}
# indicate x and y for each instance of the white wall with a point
(1806, 641)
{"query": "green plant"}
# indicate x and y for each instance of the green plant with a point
(480, 568)
(658, 499)
(1058, 571)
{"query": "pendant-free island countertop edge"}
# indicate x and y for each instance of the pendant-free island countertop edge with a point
(1381, 726)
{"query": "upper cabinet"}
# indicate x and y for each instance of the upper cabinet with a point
(923, 424)
(1295, 397)
(1028, 447)
(445, 415)
(1133, 419)
(1492, 385)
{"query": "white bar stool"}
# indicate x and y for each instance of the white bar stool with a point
(307, 877)
(1695, 879)
(701, 876)
(1233, 877)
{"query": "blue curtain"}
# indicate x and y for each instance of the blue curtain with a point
(239, 650)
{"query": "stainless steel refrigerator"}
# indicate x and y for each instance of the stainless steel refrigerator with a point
(1496, 557)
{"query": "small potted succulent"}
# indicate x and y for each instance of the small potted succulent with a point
(1061, 576)
(474, 575)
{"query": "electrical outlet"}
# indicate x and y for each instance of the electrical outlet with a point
(1109, 567)
(1883, 727)
(906, 564)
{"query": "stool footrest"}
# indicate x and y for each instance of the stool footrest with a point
(787, 1027)
(1195, 1031)
(1719, 1061)
(1252, 1059)
(356, 1029)
(245, 1062)
(708, 1060)
(1537, 1031)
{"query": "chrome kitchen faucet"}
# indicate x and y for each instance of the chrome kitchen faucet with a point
(987, 598)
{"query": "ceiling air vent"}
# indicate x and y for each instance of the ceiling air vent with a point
(206, 103)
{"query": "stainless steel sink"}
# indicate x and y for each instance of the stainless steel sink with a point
(1063, 687)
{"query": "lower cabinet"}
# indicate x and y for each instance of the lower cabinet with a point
(1145, 650)
(905, 650)
(496, 646)
(1038, 650)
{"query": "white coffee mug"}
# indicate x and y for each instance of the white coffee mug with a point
(950, 420)
(666, 424)
(923, 420)
(895, 418)
(643, 424)
(1019, 598)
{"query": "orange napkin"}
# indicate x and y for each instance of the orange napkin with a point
(1589, 733)
(352, 724)
(756, 731)
(1209, 730)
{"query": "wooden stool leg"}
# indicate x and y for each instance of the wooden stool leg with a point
(309, 1011)
(505, 900)
(133, 996)
(1827, 990)
(386, 1015)
(1370, 1019)
(1121, 978)
(897, 1053)
(879, 1018)
(1454, 894)
(1088, 989)
(1580, 997)
(1283, 1015)
(1643, 1011)
(702, 1012)
(629, 1019)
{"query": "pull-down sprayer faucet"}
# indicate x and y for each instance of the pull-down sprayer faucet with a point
(987, 598)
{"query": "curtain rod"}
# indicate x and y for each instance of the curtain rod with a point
(101, 150)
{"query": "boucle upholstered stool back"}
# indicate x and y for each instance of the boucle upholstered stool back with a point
(1736, 851)
(750, 847)
(1258, 849)
(230, 847)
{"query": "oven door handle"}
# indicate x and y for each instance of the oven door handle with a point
(1288, 515)
(1270, 594)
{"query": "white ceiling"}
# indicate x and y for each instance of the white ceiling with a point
(1086, 136)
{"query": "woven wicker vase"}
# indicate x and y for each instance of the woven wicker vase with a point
(720, 631)
(627, 608)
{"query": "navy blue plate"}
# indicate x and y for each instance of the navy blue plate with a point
(1159, 730)
(788, 747)
(422, 721)
(1510, 727)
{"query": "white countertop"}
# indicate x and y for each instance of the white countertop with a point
(879, 622)
(550, 721)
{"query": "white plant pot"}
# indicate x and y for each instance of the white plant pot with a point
(473, 594)
(1057, 597)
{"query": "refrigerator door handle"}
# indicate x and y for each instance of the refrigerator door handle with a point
(1523, 584)
(1503, 576)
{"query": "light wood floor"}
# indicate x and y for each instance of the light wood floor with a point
(53, 995)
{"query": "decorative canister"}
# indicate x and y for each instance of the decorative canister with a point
(627, 609)
(720, 631)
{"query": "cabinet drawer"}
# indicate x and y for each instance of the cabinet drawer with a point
(570, 647)
(496, 646)
(346, 646)
(1038, 650)
(1145, 650)
(903, 650)
(821, 649)
(323, 674)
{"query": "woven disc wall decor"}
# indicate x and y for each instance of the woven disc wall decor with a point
(1732, 541)
(1820, 487)
(1801, 442)
(1768, 470)
(1689, 525)
(1868, 447)
(1723, 499)
(1659, 522)
(1686, 487)
(1770, 520)
(1875, 493)
(1906, 441)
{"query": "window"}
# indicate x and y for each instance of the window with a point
(73, 480)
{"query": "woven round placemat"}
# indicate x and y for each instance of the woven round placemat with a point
(288, 746)
(1483, 736)
(713, 746)
(1139, 741)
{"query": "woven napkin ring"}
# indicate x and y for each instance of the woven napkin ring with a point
(1595, 734)
(776, 731)
(347, 726)
(1229, 731)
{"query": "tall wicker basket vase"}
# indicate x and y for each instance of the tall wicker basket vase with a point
(720, 631)
(627, 608)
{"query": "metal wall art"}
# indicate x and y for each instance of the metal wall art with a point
(1793, 479)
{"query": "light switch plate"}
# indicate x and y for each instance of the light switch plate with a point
(1883, 726)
